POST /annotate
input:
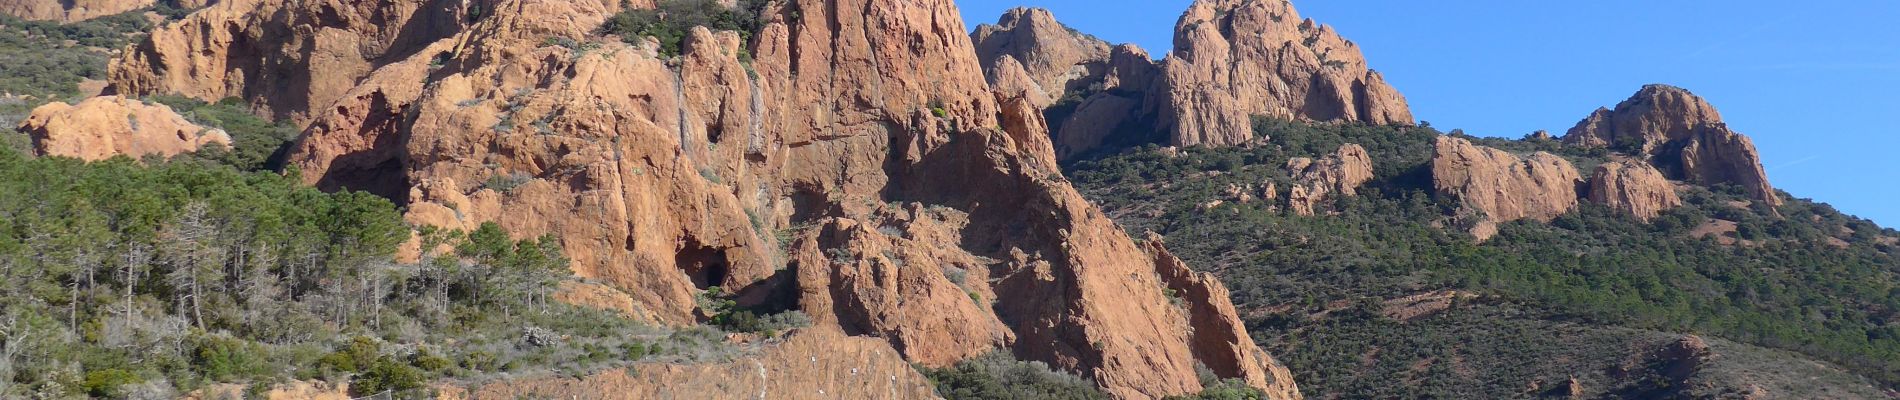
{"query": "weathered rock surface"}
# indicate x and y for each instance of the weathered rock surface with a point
(1219, 339)
(1236, 59)
(1341, 172)
(76, 10)
(1058, 58)
(1633, 187)
(813, 364)
(1680, 133)
(1501, 187)
(853, 169)
(290, 58)
(103, 127)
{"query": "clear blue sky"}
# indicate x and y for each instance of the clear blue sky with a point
(1816, 84)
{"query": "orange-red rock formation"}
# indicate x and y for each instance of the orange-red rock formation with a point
(1339, 173)
(1497, 186)
(853, 167)
(103, 127)
(1682, 135)
(1632, 187)
(1237, 59)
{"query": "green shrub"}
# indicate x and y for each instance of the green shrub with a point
(387, 375)
(224, 359)
(998, 376)
(107, 383)
(672, 20)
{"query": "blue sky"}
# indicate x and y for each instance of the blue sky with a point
(1816, 84)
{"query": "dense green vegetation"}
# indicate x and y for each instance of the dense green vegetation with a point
(673, 20)
(124, 280)
(998, 376)
(47, 60)
(256, 143)
(1789, 287)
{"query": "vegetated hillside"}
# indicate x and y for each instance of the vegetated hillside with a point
(1576, 296)
(46, 61)
(124, 280)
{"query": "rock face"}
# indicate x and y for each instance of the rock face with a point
(1682, 135)
(1500, 187)
(1236, 59)
(1342, 172)
(1092, 95)
(1059, 59)
(73, 10)
(290, 58)
(103, 127)
(813, 364)
(854, 169)
(1219, 339)
(1633, 187)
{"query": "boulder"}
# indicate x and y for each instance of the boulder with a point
(104, 127)
(1632, 187)
(1495, 186)
(1341, 172)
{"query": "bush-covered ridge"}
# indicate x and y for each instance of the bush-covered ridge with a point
(119, 279)
(1790, 288)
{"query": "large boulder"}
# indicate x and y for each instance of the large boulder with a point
(1339, 173)
(1495, 186)
(104, 127)
(1234, 60)
(1682, 135)
(1633, 187)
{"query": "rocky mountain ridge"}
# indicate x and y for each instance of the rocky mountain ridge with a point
(925, 211)
(1233, 60)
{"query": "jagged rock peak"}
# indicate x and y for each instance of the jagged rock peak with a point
(1237, 59)
(1058, 58)
(1633, 187)
(1655, 115)
(103, 127)
(1495, 186)
(1682, 135)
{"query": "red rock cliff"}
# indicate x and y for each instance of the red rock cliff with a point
(853, 162)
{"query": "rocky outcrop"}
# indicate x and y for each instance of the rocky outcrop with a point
(1717, 155)
(1058, 58)
(1680, 133)
(1220, 341)
(1339, 173)
(854, 170)
(1495, 186)
(76, 10)
(1237, 59)
(812, 364)
(1092, 95)
(104, 127)
(289, 58)
(1115, 111)
(1633, 187)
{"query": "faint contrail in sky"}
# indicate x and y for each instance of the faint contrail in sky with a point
(1795, 162)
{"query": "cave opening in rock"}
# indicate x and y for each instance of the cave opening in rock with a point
(706, 266)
